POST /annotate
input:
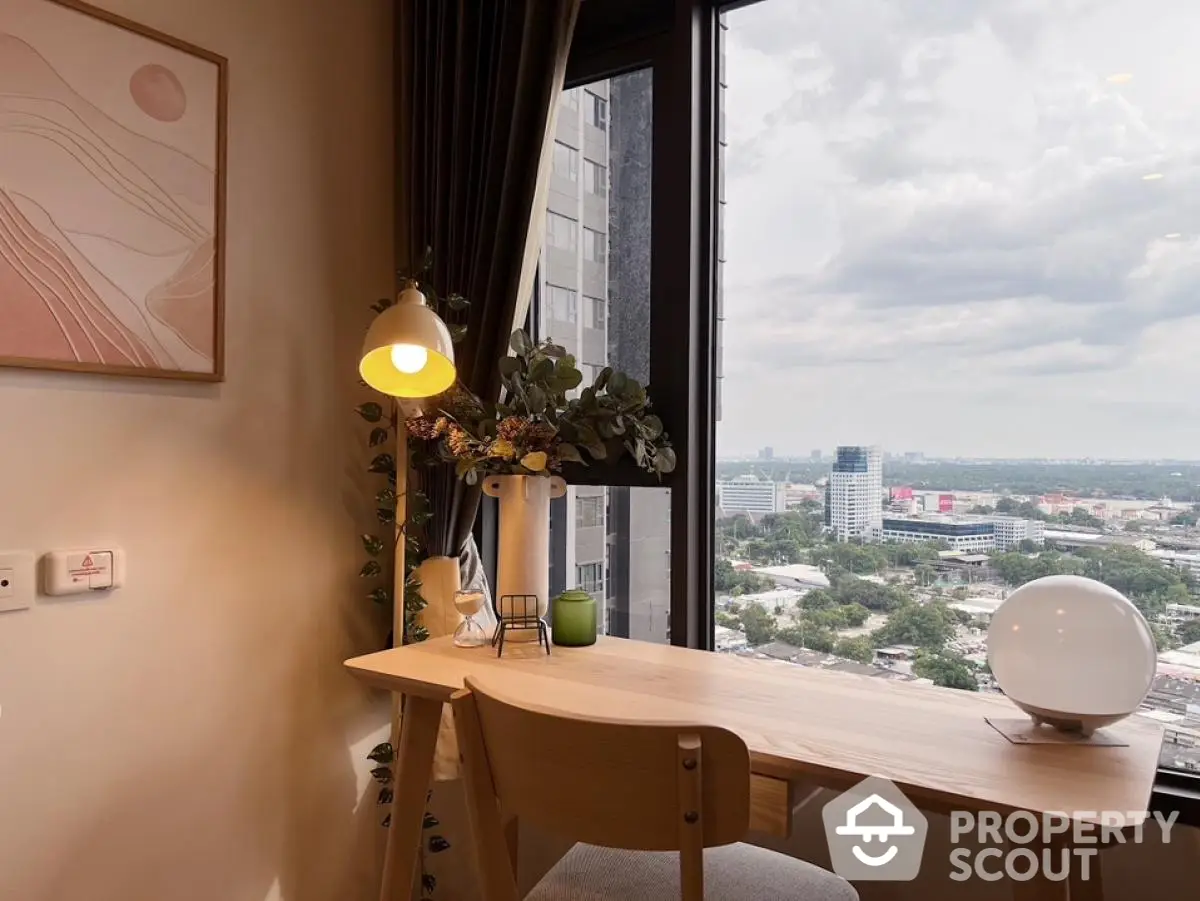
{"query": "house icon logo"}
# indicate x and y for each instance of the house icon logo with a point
(874, 833)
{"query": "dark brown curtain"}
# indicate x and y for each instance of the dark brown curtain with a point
(477, 86)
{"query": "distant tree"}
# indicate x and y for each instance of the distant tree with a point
(982, 510)
(759, 625)
(728, 579)
(871, 595)
(925, 574)
(728, 620)
(812, 637)
(947, 669)
(779, 609)
(817, 599)
(1164, 638)
(924, 625)
(1189, 519)
(1007, 505)
(1027, 546)
(1079, 516)
(1134, 526)
(855, 649)
(854, 615)
(1189, 632)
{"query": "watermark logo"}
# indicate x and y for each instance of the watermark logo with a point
(875, 833)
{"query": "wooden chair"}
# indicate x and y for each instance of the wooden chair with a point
(662, 792)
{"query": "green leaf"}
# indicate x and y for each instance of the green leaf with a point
(554, 350)
(372, 544)
(438, 844)
(535, 398)
(386, 514)
(378, 437)
(604, 428)
(385, 796)
(597, 450)
(382, 752)
(569, 453)
(386, 821)
(618, 382)
(371, 569)
(382, 774)
(509, 365)
(383, 463)
(541, 370)
(570, 377)
(387, 497)
(383, 303)
(457, 302)
(664, 460)
(653, 426)
(381, 596)
(428, 883)
(618, 425)
(603, 377)
(430, 821)
(519, 342)
(370, 411)
(457, 333)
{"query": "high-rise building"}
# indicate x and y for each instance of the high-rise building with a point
(746, 494)
(854, 494)
(595, 301)
(815, 456)
(766, 453)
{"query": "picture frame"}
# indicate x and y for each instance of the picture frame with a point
(112, 195)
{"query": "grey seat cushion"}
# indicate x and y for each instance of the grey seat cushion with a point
(731, 873)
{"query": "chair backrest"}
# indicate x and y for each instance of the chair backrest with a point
(618, 783)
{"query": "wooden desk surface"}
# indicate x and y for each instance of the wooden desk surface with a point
(799, 722)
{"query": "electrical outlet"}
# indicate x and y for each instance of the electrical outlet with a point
(16, 581)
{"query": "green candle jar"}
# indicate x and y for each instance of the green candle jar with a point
(574, 623)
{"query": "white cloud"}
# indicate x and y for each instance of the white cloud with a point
(938, 236)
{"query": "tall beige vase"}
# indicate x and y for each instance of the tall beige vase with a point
(523, 556)
(439, 578)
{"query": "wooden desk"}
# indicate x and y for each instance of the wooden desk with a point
(799, 723)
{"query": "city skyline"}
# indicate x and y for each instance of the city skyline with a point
(968, 229)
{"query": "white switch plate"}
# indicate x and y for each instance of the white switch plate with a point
(16, 580)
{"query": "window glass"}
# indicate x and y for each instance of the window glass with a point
(594, 245)
(562, 303)
(596, 110)
(963, 266)
(593, 312)
(594, 178)
(589, 511)
(590, 578)
(626, 540)
(560, 231)
(566, 161)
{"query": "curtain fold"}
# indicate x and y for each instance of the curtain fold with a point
(477, 83)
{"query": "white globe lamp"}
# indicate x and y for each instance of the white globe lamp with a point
(1071, 652)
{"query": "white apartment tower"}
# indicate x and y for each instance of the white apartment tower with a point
(854, 495)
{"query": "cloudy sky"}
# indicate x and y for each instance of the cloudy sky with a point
(941, 236)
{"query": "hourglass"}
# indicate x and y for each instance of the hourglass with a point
(469, 633)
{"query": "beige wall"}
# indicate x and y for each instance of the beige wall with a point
(192, 737)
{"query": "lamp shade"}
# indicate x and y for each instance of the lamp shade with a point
(1071, 652)
(408, 351)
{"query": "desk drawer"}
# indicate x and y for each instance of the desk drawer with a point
(770, 805)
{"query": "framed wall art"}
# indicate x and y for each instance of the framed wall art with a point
(112, 195)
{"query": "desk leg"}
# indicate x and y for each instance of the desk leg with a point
(413, 773)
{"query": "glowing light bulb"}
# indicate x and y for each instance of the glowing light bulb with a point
(409, 358)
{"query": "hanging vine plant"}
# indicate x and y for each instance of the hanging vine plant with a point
(378, 571)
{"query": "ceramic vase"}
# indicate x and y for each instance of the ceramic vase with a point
(523, 557)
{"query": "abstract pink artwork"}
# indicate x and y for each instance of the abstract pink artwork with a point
(111, 195)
